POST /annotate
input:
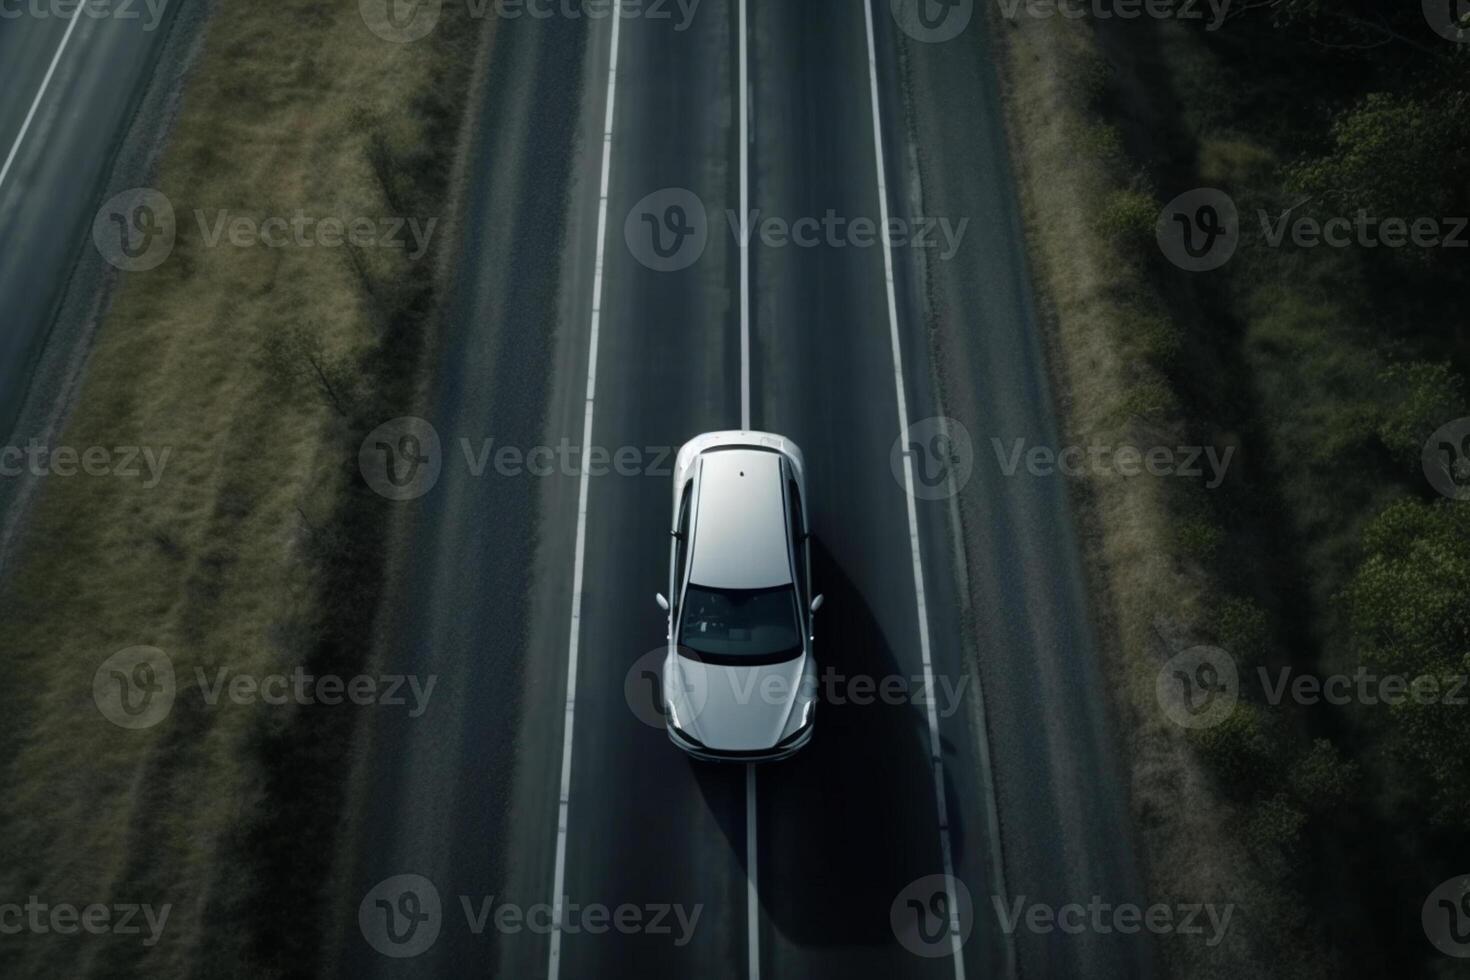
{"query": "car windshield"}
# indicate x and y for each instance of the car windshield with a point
(741, 626)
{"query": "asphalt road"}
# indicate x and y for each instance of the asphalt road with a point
(71, 88)
(507, 580)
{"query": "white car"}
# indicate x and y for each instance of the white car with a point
(740, 681)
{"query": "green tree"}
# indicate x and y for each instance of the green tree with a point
(1409, 616)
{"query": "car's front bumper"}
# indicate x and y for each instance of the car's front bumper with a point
(706, 754)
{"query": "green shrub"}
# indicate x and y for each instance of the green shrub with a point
(1128, 218)
(1198, 537)
(1243, 628)
(1238, 751)
(1421, 398)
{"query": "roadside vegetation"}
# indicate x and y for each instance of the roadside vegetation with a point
(1327, 368)
(260, 369)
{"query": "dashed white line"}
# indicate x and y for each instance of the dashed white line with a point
(936, 757)
(45, 84)
(752, 900)
(558, 893)
(744, 229)
(752, 851)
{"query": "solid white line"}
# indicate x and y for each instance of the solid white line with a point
(752, 902)
(558, 894)
(935, 748)
(45, 84)
(744, 231)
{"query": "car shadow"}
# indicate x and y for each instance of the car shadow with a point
(851, 820)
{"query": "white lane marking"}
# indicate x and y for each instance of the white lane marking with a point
(752, 895)
(752, 902)
(744, 231)
(45, 84)
(936, 757)
(558, 893)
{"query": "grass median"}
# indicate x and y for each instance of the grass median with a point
(256, 355)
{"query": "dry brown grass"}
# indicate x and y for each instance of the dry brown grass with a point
(208, 566)
(1150, 597)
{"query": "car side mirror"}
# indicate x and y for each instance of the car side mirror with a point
(662, 602)
(817, 602)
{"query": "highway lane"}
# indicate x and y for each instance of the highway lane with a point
(470, 795)
(1060, 785)
(854, 820)
(59, 130)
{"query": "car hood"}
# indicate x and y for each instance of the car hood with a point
(737, 709)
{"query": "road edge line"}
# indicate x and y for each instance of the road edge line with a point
(935, 746)
(558, 896)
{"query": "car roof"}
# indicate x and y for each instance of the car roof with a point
(740, 525)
